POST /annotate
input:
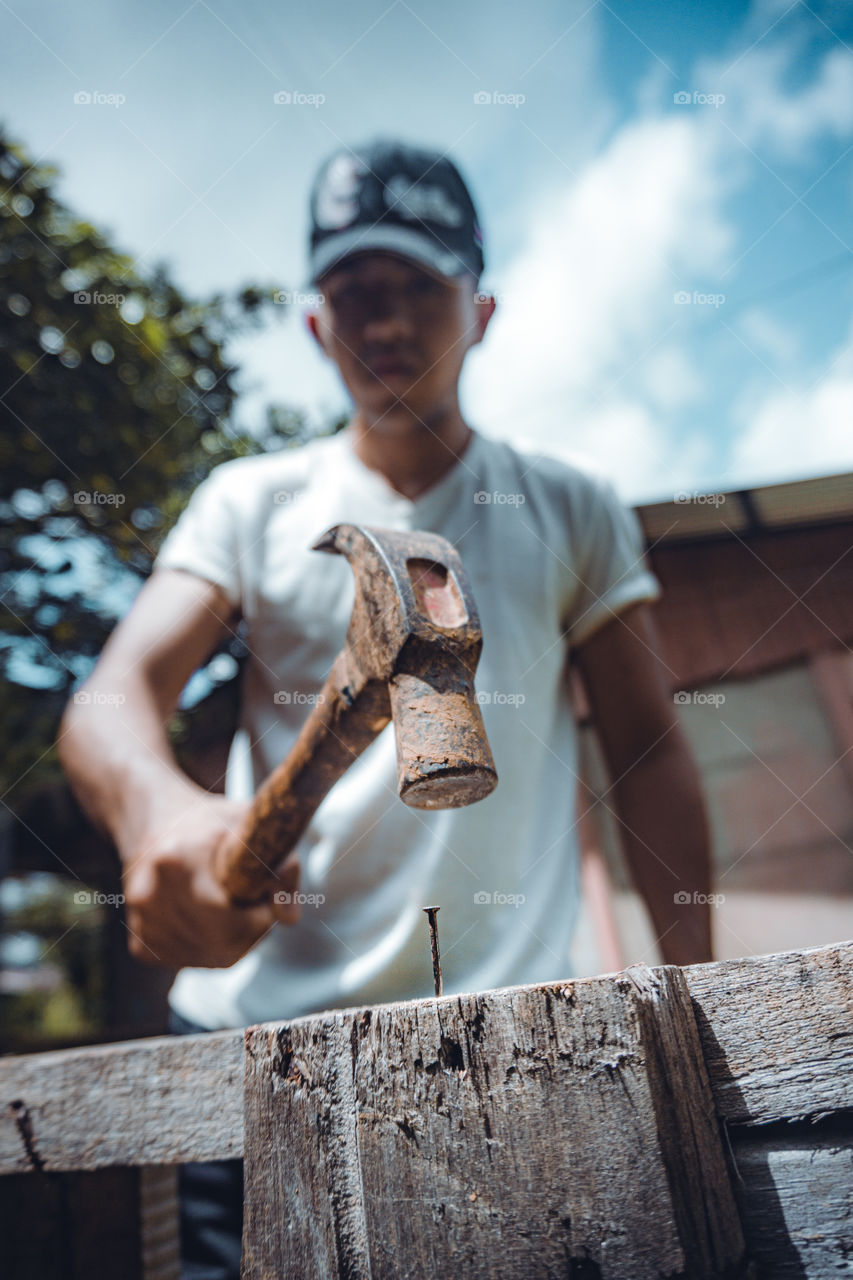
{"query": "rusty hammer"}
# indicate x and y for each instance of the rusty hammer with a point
(412, 647)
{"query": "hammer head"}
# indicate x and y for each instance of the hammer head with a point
(415, 629)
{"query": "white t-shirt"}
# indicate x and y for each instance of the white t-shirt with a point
(551, 555)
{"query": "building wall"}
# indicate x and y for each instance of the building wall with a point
(778, 779)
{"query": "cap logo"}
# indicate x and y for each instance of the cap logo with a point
(421, 200)
(337, 199)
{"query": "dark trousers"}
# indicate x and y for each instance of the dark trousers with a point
(211, 1205)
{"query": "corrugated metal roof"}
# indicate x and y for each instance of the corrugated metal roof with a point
(691, 515)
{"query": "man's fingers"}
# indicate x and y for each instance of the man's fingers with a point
(257, 921)
(285, 904)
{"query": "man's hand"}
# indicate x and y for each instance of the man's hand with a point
(176, 911)
(167, 829)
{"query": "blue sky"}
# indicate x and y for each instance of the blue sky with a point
(674, 277)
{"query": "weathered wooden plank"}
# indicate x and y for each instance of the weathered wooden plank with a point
(796, 1201)
(157, 1101)
(777, 1032)
(550, 1130)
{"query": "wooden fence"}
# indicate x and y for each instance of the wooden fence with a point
(692, 1122)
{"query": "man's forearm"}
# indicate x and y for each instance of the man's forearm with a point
(663, 824)
(117, 757)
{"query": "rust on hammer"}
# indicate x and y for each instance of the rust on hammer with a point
(411, 652)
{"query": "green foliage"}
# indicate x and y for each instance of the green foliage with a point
(71, 937)
(116, 400)
(115, 386)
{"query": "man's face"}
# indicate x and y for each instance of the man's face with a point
(397, 332)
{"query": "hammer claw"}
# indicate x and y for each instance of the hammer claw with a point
(412, 648)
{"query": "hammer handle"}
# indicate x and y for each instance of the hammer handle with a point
(334, 735)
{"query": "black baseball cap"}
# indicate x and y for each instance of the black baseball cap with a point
(392, 196)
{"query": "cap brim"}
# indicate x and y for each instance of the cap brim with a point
(400, 240)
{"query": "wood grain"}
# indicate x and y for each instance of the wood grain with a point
(520, 1132)
(777, 1033)
(157, 1101)
(796, 1201)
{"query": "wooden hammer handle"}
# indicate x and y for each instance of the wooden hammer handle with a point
(334, 735)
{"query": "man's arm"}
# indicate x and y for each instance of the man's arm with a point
(113, 745)
(115, 751)
(656, 793)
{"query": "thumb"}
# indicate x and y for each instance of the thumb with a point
(284, 907)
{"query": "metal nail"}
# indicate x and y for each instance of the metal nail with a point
(433, 942)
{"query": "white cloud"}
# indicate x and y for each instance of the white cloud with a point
(587, 354)
(630, 445)
(763, 112)
(789, 437)
(806, 431)
(581, 337)
(766, 335)
(669, 378)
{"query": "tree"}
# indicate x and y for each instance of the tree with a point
(117, 399)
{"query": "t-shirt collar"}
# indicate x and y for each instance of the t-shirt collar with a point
(465, 467)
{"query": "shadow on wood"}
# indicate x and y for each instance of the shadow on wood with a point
(532, 1131)
(549, 1130)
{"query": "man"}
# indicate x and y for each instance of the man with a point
(555, 562)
